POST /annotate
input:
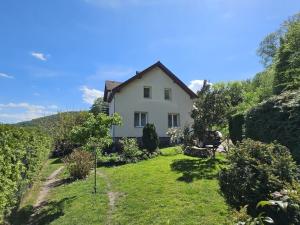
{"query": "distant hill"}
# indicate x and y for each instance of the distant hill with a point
(50, 123)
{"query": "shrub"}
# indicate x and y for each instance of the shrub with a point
(236, 123)
(130, 151)
(277, 119)
(109, 159)
(188, 138)
(256, 170)
(22, 153)
(79, 164)
(150, 138)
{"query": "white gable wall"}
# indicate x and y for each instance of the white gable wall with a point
(131, 99)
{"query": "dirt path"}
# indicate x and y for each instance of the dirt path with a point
(48, 184)
(112, 197)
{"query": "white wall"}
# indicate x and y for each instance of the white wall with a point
(131, 99)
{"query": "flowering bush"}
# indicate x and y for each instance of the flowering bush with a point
(175, 134)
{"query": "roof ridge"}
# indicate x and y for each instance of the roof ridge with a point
(163, 68)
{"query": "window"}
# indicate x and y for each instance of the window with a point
(173, 120)
(167, 93)
(140, 119)
(147, 92)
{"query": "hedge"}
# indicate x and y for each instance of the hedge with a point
(278, 118)
(236, 123)
(22, 153)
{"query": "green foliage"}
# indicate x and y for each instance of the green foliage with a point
(287, 64)
(263, 83)
(22, 153)
(268, 47)
(95, 131)
(79, 164)
(59, 127)
(150, 138)
(130, 151)
(282, 208)
(236, 123)
(210, 109)
(99, 106)
(277, 119)
(233, 90)
(255, 171)
(187, 137)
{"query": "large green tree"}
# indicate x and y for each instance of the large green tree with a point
(210, 109)
(287, 63)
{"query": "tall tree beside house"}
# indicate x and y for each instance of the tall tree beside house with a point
(99, 106)
(210, 109)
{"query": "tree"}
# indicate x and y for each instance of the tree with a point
(270, 44)
(287, 64)
(94, 133)
(268, 47)
(210, 109)
(263, 83)
(99, 106)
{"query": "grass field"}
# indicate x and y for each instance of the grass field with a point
(169, 189)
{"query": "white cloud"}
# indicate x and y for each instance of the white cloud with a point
(16, 112)
(39, 55)
(196, 85)
(89, 94)
(4, 75)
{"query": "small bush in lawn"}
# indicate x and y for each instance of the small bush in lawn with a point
(79, 164)
(150, 138)
(256, 170)
(130, 151)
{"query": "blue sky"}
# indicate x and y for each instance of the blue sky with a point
(55, 55)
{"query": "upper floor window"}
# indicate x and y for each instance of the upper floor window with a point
(173, 120)
(140, 119)
(147, 92)
(167, 93)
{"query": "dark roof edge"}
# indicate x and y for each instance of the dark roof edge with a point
(140, 74)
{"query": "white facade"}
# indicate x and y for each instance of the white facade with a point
(130, 99)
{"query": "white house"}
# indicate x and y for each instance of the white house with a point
(154, 95)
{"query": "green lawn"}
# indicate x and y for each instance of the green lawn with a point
(169, 189)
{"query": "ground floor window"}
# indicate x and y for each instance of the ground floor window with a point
(173, 120)
(140, 119)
